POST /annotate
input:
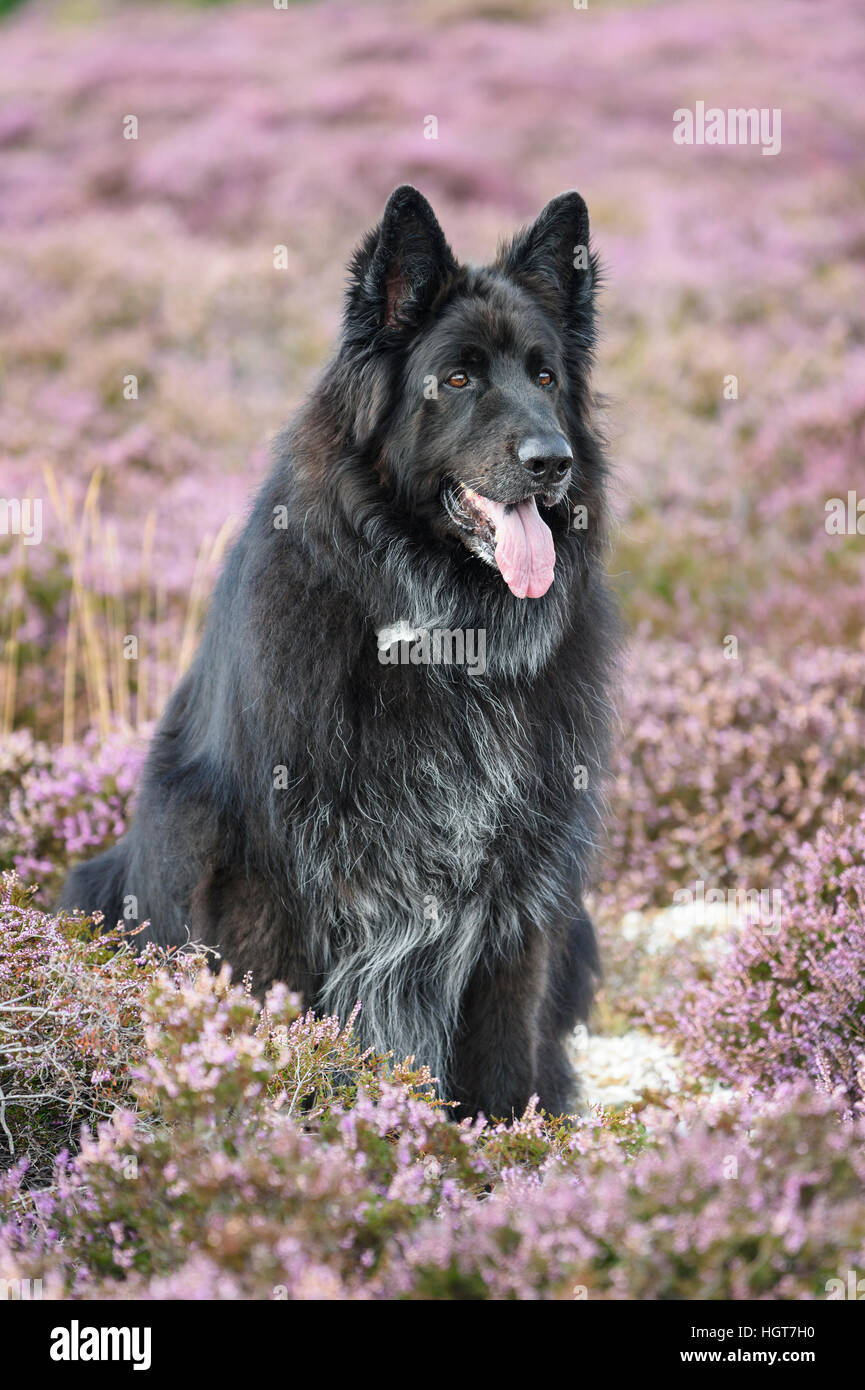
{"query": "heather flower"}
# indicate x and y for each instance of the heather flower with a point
(786, 1000)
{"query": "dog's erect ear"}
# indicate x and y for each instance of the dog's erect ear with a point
(551, 258)
(401, 266)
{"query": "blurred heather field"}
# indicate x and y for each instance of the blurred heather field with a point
(740, 764)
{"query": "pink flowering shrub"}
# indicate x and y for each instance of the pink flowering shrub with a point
(230, 1100)
(756, 1201)
(725, 767)
(231, 1149)
(81, 1011)
(786, 999)
(64, 804)
(70, 1014)
(212, 1188)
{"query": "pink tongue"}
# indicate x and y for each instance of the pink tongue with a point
(525, 552)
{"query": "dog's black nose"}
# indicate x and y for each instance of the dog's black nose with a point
(547, 457)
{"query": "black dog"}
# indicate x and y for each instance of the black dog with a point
(375, 819)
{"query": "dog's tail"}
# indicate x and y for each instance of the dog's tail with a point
(97, 885)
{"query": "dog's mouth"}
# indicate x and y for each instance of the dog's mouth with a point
(512, 536)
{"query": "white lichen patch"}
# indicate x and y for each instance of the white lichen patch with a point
(619, 1070)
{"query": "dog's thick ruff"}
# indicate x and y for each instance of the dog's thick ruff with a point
(415, 837)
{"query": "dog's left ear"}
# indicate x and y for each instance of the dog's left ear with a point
(401, 266)
(552, 259)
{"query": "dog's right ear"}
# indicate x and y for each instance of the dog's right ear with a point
(401, 266)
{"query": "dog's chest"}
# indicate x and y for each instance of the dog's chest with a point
(454, 802)
(427, 802)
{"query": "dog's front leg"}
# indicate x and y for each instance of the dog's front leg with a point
(495, 1056)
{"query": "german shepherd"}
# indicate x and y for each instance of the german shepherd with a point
(335, 797)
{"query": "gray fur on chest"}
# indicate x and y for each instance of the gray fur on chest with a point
(408, 891)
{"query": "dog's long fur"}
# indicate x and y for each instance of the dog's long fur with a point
(409, 836)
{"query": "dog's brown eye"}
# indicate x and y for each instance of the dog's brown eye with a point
(545, 378)
(458, 379)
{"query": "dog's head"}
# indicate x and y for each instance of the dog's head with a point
(470, 386)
